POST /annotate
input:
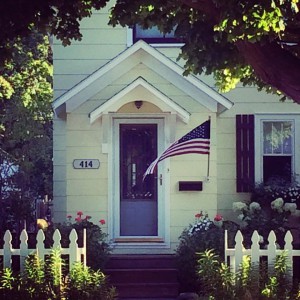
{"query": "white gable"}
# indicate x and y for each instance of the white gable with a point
(159, 99)
(141, 52)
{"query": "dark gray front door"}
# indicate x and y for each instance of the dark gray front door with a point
(138, 197)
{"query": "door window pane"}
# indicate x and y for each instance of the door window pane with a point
(138, 197)
(138, 148)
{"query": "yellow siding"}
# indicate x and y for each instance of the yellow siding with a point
(76, 138)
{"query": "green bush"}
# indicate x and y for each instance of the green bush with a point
(45, 280)
(250, 283)
(198, 237)
(97, 248)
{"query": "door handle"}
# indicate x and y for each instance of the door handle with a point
(160, 179)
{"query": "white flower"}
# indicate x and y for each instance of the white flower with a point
(239, 206)
(277, 204)
(254, 206)
(291, 207)
(240, 217)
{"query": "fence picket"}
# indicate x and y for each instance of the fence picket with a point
(239, 250)
(74, 255)
(56, 239)
(73, 251)
(288, 247)
(272, 247)
(235, 255)
(40, 246)
(255, 248)
(23, 248)
(7, 249)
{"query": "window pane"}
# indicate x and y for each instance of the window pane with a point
(152, 33)
(277, 166)
(138, 148)
(277, 137)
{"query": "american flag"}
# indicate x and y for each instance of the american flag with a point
(196, 141)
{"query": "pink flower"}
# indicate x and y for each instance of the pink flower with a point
(78, 219)
(79, 213)
(198, 216)
(218, 218)
(88, 217)
(102, 221)
(69, 217)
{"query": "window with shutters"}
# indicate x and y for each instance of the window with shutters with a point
(267, 146)
(277, 147)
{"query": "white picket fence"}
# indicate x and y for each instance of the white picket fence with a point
(234, 256)
(75, 253)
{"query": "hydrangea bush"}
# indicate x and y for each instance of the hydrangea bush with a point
(276, 188)
(264, 219)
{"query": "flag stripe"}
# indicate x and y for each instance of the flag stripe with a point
(196, 141)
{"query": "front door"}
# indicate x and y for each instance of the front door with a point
(138, 199)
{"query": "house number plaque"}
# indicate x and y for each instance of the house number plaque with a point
(86, 163)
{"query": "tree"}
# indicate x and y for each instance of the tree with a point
(25, 128)
(252, 42)
(55, 17)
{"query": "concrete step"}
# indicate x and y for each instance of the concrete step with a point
(143, 276)
(141, 261)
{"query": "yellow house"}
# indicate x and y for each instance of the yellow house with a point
(120, 101)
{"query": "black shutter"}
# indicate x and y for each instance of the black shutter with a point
(244, 153)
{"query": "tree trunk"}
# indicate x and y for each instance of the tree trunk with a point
(273, 65)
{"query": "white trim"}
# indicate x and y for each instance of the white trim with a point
(140, 82)
(124, 62)
(113, 194)
(259, 118)
(129, 36)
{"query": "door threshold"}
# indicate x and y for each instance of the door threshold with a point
(138, 240)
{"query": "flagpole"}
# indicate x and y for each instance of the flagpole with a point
(208, 155)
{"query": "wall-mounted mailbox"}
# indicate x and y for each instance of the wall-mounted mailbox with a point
(190, 185)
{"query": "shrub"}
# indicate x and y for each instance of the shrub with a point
(264, 219)
(203, 234)
(251, 282)
(43, 280)
(275, 188)
(97, 248)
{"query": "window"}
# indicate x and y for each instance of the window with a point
(153, 35)
(267, 146)
(277, 140)
(277, 147)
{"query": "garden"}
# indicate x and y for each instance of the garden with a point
(202, 266)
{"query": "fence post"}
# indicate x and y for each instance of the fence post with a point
(7, 249)
(84, 247)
